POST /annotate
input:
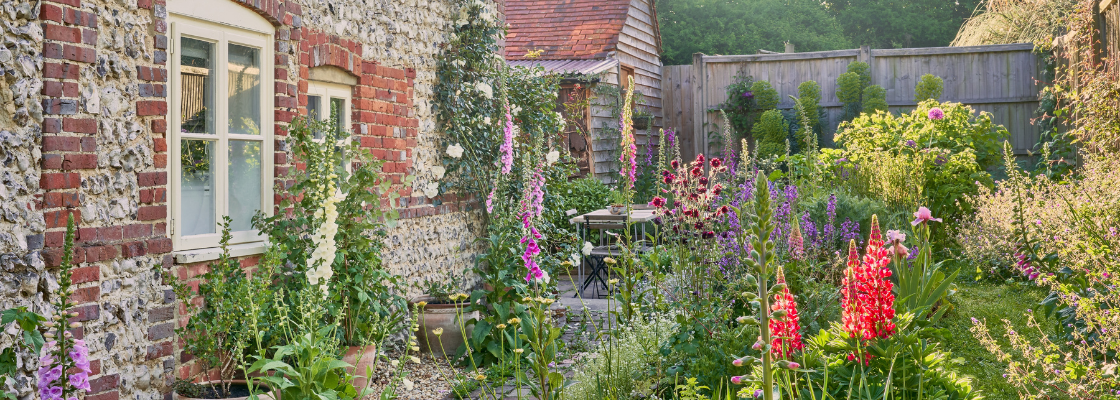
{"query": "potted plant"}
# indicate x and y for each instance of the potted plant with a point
(443, 319)
(642, 118)
(361, 295)
(215, 335)
(618, 203)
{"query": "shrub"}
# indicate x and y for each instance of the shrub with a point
(946, 157)
(615, 368)
(765, 96)
(770, 134)
(928, 88)
(583, 195)
(850, 87)
(863, 70)
(809, 97)
(874, 99)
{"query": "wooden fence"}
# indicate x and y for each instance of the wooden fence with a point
(999, 79)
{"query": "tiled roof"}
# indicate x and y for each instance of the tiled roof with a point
(564, 29)
(565, 67)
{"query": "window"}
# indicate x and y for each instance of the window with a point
(327, 100)
(221, 125)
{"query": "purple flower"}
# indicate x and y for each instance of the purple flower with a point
(849, 230)
(911, 143)
(748, 94)
(791, 193)
(936, 113)
(80, 381)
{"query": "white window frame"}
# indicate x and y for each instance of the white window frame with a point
(327, 91)
(221, 24)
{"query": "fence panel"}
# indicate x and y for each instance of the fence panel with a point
(1000, 79)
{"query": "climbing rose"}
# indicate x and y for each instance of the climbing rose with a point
(785, 331)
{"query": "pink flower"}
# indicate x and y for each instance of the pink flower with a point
(507, 144)
(936, 113)
(738, 362)
(922, 215)
(737, 380)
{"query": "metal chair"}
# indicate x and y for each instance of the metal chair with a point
(595, 260)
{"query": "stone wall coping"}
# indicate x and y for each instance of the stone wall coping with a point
(213, 253)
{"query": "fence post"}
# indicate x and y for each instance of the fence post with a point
(699, 105)
(865, 56)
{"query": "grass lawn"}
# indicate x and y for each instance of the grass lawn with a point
(992, 302)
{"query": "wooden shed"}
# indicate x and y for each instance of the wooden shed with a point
(592, 43)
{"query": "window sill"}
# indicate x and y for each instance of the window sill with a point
(213, 253)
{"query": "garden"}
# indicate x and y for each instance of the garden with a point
(919, 258)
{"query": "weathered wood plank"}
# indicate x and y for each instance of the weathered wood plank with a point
(949, 50)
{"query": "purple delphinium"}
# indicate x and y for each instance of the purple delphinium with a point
(809, 233)
(791, 193)
(849, 231)
(828, 229)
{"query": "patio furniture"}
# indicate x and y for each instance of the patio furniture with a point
(603, 220)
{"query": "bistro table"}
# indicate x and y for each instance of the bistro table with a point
(603, 220)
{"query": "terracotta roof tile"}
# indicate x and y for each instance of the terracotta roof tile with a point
(564, 29)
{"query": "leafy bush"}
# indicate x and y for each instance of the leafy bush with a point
(874, 99)
(770, 132)
(809, 97)
(614, 370)
(583, 195)
(765, 96)
(928, 88)
(947, 157)
(850, 87)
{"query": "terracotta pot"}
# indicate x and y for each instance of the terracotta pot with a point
(360, 357)
(266, 396)
(443, 316)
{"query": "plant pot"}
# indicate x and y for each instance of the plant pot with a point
(236, 382)
(617, 209)
(443, 316)
(360, 357)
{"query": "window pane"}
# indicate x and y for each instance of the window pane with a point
(197, 162)
(244, 183)
(315, 112)
(195, 69)
(338, 108)
(244, 90)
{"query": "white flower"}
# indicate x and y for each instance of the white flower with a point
(486, 120)
(455, 150)
(485, 89)
(407, 384)
(552, 157)
(515, 109)
(438, 171)
(575, 258)
(587, 248)
(544, 278)
(431, 190)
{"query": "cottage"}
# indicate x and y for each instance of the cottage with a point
(591, 43)
(151, 120)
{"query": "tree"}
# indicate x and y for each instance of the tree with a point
(900, 23)
(744, 27)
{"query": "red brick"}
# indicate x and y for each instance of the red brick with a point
(61, 143)
(52, 89)
(87, 312)
(85, 274)
(113, 395)
(159, 144)
(153, 107)
(79, 161)
(146, 179)
(62, 33)
(146, 4)
(160, 350)
(159, 160)
(161, 245)
(58, 199)
(149, 213)
(104, 383)
(52, 161)
(79, 125)
(70, 89)
(89, 36)
(137, 231)
(133, 249)
(89, 144)
(57, 219)
(86, 295)
(50, 12)
(159, 126)
(60, 180)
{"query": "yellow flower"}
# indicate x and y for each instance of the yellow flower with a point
(414, 359)
(514, 321)
(480, 377)
(566, 263)
(461, 296)
(609, 261)
(547, 301)
(437, 331)
(421, 304)
(613, 281)
(518, 351)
